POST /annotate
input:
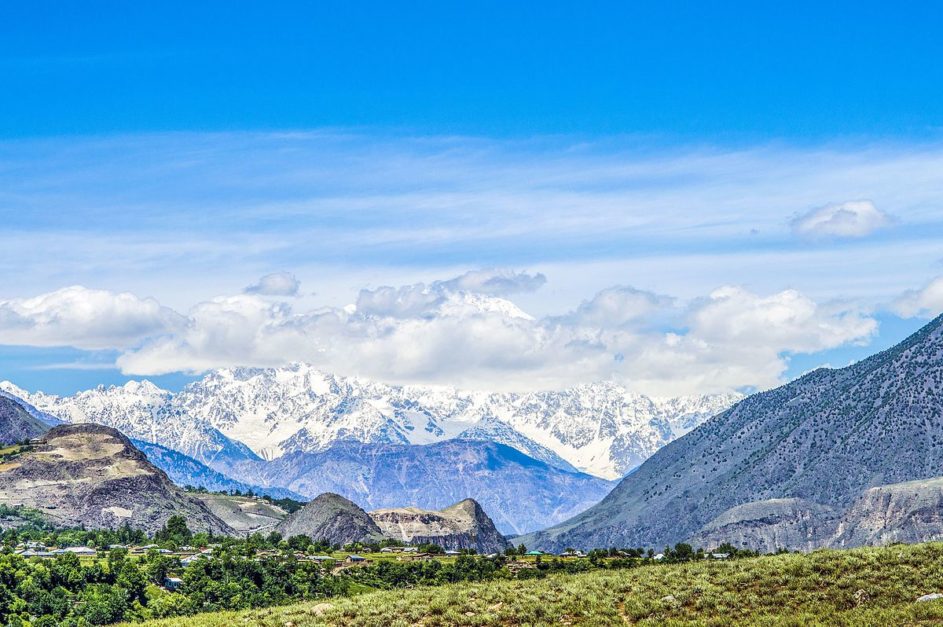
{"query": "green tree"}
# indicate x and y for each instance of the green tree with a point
(175, 530)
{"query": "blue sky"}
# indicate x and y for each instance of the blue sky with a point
(729, 71)
(157, 159)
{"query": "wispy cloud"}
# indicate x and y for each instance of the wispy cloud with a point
(275, 284)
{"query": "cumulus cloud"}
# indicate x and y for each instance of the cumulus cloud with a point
(275, 284)
(787, 319)
(84, 318)
(925, 302)
(493, 282)
(441, 333)
(421, 300)
(855, 218)
(619, 306)
(430, 334)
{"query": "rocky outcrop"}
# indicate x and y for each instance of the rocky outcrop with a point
(333, 519)
(17, 424)
(900, 512)
(464, 525)
(827, 438)
(92, 476)
(766, 526)
(245, 514)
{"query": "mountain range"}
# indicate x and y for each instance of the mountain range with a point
(839, 457)
(243, 413)
(519, 492)
(304, 432)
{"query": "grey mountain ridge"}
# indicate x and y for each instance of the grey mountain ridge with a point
(519, 492)
(17, 423)
(186, 471)
(824, 440)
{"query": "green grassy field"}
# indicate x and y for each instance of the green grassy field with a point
(870, 586)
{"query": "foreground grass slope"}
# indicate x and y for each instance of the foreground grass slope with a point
(870, 586)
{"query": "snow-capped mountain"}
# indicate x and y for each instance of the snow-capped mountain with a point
(600, 428)
(142, 411)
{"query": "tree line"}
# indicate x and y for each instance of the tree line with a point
(258, 571)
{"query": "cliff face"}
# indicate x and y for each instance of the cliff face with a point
(766, 526)
(331, 518)
(464, 525)
(93, 476)
(900, 512)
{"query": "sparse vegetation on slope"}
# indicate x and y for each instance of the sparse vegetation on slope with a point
(869, 586)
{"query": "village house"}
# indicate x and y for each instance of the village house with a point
(415, 557)
(78, 550)
(172, 583)
(192, 558)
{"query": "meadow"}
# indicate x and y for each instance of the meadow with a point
(866, 586)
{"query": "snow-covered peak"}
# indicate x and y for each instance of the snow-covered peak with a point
(461, 304)
(600, 428)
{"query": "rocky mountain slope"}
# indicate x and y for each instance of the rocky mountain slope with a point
(600, 428)
(521, 493)
(464, 525)
(17, 424)
(93, 476)
(829, 439)
(331, 518)
(246, 515)
(186, 471)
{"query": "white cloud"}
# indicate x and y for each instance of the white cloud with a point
(421, 300)
(84, 318)
(925, 302)
(493, 282)
(855, 218)
(275, 284)
(788, 320)
(619, 306)
(419, 334)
